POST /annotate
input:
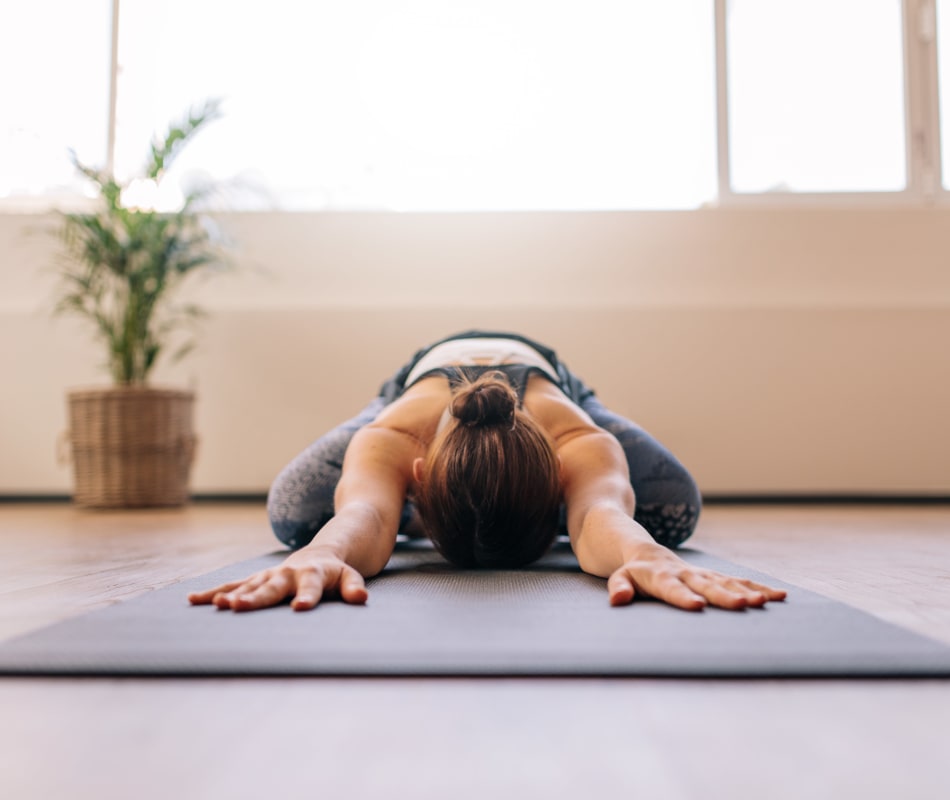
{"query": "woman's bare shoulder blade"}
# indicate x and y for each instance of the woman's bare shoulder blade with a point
(554, 411)
(418, 411)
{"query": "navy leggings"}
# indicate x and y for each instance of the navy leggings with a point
(300, 501)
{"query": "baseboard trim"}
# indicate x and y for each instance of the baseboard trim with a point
(713, 499)
(825, 499)
(201, 497)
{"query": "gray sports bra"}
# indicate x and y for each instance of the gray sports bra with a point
(517, 375)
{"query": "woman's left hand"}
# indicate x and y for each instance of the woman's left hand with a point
(661, 574)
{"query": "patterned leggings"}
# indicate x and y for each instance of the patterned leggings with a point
(300, 501)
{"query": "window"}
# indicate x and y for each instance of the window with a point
(491, 105)
(54, 94)
(429, 105)
(816, 97)
(942, 31)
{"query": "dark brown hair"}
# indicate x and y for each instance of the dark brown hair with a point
(490, 490)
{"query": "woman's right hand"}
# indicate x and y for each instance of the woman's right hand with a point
(305, 577)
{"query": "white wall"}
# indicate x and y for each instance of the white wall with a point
(774, 350)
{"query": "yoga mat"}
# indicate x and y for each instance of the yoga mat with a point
(425, 618)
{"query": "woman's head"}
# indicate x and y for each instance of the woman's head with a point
(489, 489)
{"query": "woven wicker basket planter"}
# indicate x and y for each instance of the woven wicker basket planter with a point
(132, 447)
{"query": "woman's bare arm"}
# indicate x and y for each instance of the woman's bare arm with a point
(609, 543)
(356, 543)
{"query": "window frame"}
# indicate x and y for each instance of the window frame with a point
(922, 126)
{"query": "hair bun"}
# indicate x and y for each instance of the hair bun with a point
(488, 401)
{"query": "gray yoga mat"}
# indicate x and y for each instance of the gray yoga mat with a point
(424, 618)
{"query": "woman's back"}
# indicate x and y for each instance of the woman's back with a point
(422, 410)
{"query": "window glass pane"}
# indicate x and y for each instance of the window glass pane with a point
(943, 66)
(432, 105)
(816, 98)
(54, 95)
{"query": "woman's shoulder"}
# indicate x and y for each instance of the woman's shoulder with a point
(418, 410)
(560, 417)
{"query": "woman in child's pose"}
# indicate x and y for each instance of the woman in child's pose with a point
(489, 445)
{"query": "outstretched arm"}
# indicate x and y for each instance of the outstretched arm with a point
(356, 543)
(609, 543)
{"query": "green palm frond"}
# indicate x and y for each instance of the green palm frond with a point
(124, 266)
(164, 151)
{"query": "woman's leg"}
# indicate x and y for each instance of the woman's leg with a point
(668, 500)
(300, 501)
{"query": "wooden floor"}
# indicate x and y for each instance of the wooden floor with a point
(416, 738)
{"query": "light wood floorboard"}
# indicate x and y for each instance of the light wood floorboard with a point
(421, 738)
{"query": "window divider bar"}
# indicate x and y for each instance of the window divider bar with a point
(723, 164)
(113, 90)
(931, 96)
(921, 102)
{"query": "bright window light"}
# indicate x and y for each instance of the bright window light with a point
(54, 94)
(428, 104)
(943, 66)
(816, 95)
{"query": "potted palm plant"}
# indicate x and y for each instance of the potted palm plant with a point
(132, 444)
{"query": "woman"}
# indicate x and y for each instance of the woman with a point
(489, 445)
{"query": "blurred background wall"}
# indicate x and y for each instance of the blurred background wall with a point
(774, 350)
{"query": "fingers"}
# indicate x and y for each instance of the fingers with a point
(686, 587)
(312, 583)
(770, 593)
(205, 597)
(662, 583)
(309, 590)
(305, 585)
(261, 591)
(722, 591)
(620, 588)
(725, 591)
(674, 590)
(353, 587)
